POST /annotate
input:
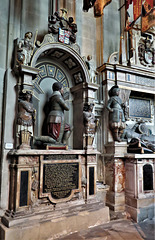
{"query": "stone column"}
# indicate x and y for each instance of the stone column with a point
(115, 175)
(78, 96)
(84, 92)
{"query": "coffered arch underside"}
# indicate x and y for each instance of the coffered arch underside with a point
(62, 62)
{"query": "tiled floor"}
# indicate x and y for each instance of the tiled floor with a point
(117, 230)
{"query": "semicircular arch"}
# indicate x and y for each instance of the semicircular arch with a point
(66, 55)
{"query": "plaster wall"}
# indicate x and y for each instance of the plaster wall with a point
(7, 92)
(111, 32)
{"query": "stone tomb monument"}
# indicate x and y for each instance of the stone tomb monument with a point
(54, 191)
(126, 166)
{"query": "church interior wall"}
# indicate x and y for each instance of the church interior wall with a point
(111, 32)
(96, 37)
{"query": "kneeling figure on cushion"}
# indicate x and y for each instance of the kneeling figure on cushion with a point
(57, 128)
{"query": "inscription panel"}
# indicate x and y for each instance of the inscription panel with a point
(61, 157)
(59, 179)
(139, 108)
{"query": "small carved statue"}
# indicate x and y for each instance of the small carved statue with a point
(92, 72)
(89, 118)
(25, 48)
(25, 119)
(63, 20)
(90, 124)
(116, 113)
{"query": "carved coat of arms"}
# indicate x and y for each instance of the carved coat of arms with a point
(146, 52)
(64, 36)
(63, 26)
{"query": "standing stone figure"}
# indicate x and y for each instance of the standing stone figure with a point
(25, 119)
(25, 47)
(92, 72)
(90, 125)
(89, 119)
(116, 114)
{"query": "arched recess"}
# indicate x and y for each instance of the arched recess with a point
(60, 62)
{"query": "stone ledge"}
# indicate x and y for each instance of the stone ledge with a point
(51, 152)
(46, 227)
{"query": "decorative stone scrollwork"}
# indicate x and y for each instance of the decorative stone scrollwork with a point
(47, 39)
(114, 58)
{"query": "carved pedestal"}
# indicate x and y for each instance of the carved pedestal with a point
(115, 175)
(140, 186)
(52, 189)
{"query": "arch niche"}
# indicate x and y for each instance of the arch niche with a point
(60, 62)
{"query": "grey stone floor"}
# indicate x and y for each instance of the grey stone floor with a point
(117, 230)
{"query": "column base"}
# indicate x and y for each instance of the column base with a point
(140, 209)
(116, 201)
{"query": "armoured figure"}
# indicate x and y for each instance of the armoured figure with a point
(25, 119)
(57, 129)
(140, 132)
(26, 112)
(116, 114)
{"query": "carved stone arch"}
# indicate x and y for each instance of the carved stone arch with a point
(70, 54)
(58, 57)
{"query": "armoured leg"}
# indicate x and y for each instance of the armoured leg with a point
(115, 135)
(67, 135)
